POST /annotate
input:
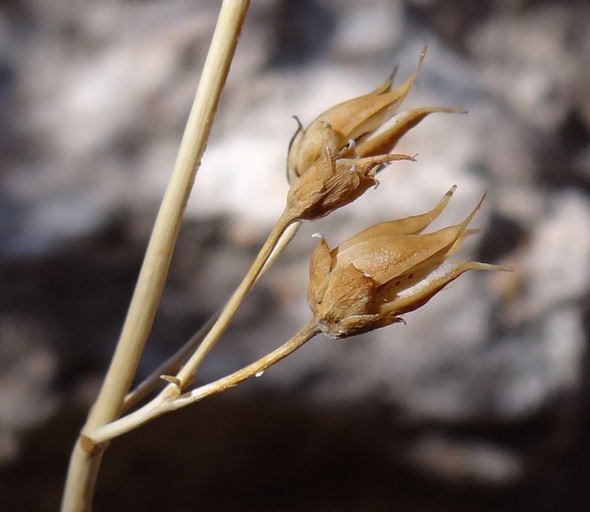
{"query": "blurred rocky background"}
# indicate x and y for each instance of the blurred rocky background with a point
(479, 403)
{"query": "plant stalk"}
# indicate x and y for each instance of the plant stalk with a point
(174, 363)
(85, 459)
(161, 404)
(187, 373)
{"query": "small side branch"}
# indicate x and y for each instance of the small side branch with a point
(174, 363)
(163, 404)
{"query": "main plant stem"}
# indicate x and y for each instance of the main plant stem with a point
(85, 460)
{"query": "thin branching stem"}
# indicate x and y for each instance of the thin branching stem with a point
(162, 404)
(168, 367)
(174, 363)
(187, 373)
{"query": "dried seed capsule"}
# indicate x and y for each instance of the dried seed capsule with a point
(385, 271)
(335, 160)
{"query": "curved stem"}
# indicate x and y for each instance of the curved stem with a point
(85, 459)
(168, 367)
(162, 404)
(187, 373)
(173, 364)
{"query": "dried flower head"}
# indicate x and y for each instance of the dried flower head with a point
(385, 271)
(334, 161)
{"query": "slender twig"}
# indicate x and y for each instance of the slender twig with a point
(161, 404)
(85, 460)
(187, 373)
(173, 364)
(168, 367)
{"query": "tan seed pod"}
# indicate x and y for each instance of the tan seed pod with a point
(335, 160)
(385, 271)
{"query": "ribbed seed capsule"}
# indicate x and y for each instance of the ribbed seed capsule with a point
(385, 271)
(335, 160)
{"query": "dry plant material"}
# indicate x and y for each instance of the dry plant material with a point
(369, 281)
(373, 278)
(330, 164)
(335, 160)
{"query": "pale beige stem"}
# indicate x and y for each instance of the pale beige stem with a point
(168, 367)
(161, 404)
(187, 373)
(85, 459)
(173, 364)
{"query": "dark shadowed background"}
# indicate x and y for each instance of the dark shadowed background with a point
(479, 403)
